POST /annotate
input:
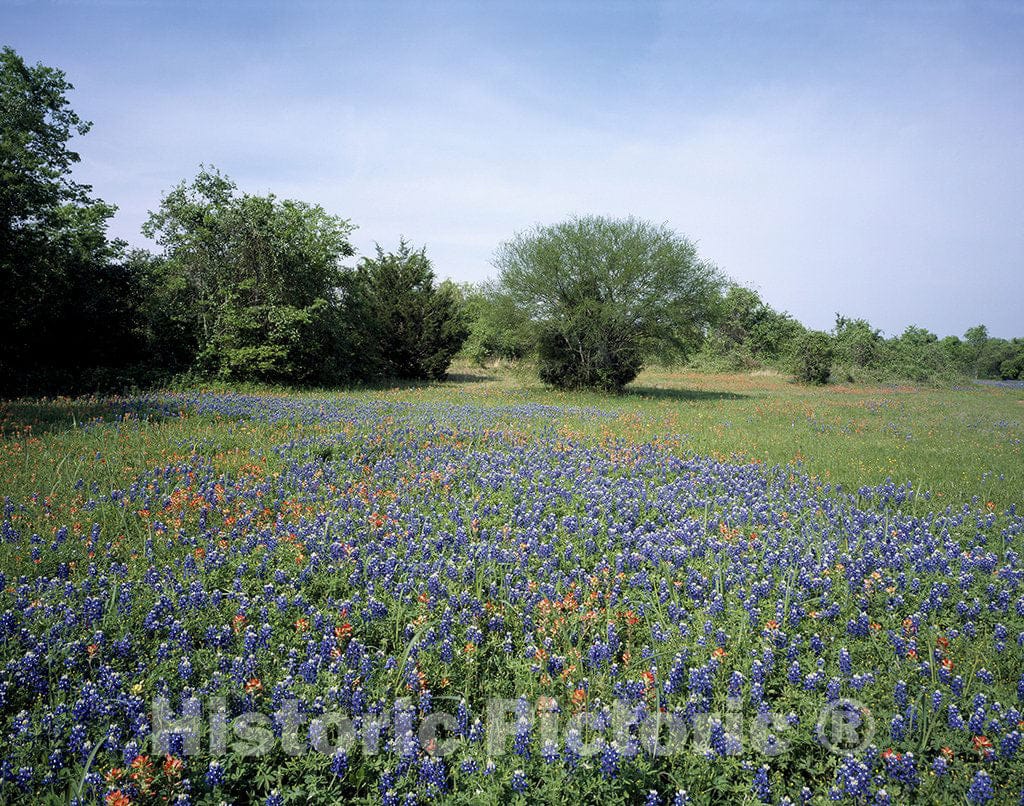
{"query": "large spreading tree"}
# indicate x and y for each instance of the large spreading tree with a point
(606, 294)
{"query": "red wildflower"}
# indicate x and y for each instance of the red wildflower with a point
(172, 766)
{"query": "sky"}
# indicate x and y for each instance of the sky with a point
(838, 157)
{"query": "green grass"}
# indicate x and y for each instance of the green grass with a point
(964, 445)
(957, 443)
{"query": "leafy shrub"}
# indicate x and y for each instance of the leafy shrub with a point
(584, 356)
(251, 278)
(498, 331)
(813, 357)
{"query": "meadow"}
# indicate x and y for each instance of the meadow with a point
(712, 588)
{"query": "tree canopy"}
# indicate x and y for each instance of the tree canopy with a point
(606, 294)
(64, 301)
(258, 277)
(255, 288)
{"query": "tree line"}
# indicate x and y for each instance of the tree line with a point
(251, 288)
(749, 334)
(244, 288)
(739, 332)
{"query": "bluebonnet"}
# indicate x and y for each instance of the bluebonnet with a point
(441, 484)
(610, 760)
(761, 785)
(981, 790)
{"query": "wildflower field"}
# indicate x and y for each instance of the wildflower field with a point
(712, 589)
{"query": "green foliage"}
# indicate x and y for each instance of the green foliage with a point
(604, 294)
(250, 281)
(916, 355)
(413, 328)
(252, 289)
(68, 303)
(773, 337)
(1012, 367)
(746, 333)
(35, 161)
(975, 341)
(919, 356)
(170, 341)
(1000, 358)
(740, 312)
(497, 329)
(813, 357)
(589, 351)
(856, 343)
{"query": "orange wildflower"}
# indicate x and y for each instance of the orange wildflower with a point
(172, 766)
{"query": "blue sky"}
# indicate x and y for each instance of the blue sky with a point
(862, 158)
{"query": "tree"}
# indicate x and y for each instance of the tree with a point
(413, 328)
(994, 355)
(976, 339)
(603, 295)
(57, 268)
(951, 356)
(253, 280)
(1012, 367)
(813, 357)
(35, 161)
(497, 330)
(856, 343)
(747, 332)
(741, 311)
(988, 357)
(915, 355)
(772, 339)
(164, 318)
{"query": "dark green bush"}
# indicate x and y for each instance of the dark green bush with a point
(582, 356)
(813, 357)
(412, 328)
